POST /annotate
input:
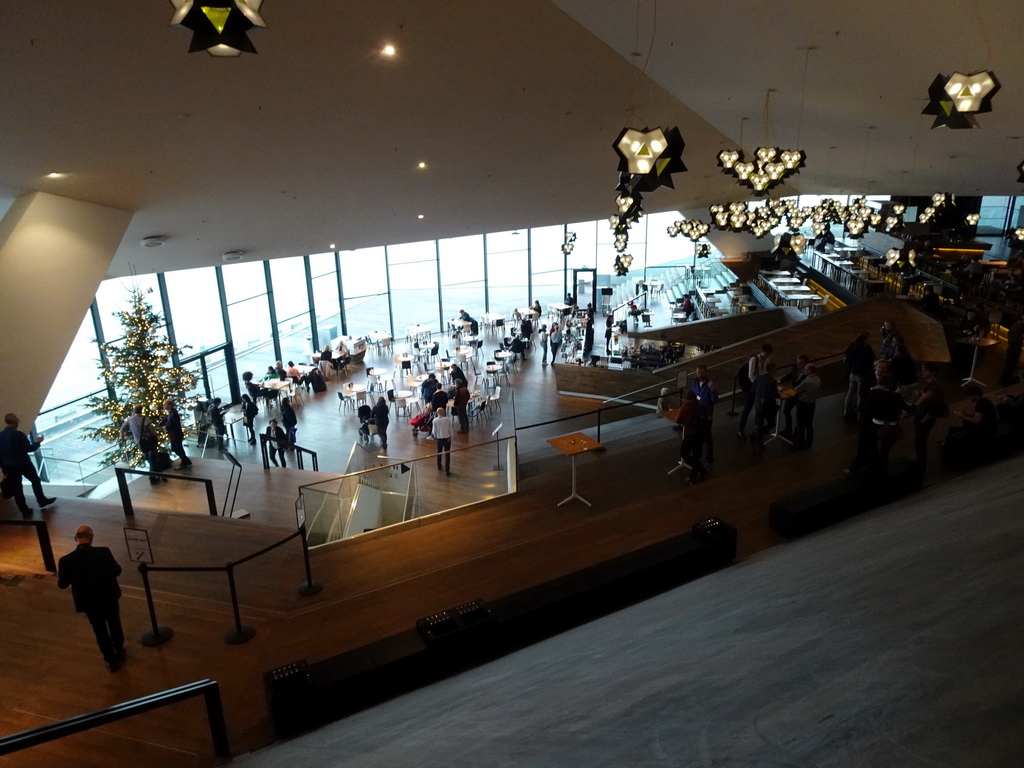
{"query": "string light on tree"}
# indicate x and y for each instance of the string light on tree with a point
(139, 370)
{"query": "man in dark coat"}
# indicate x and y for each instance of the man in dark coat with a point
(92, 573)
(175, 433)
(15, 448)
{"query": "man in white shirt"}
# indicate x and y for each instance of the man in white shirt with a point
(756, 366)
(442, 428)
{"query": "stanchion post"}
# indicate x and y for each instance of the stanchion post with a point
(157, 635)
(240, 633)
(309, 587)
(732, 404)
(599, 424)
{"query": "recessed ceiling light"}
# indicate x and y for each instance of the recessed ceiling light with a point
(388, 50)
(420, 216)
(55, 175)
(332, 246)
(422, 165)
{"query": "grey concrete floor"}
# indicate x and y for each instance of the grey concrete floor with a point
(891, 640)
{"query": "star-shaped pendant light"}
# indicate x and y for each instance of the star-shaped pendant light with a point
(771, 166)
(219, 28)
(954, 100)
(649, 158)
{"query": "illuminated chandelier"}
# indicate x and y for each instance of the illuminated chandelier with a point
(219, 28)
(771, 166)
(954, 100)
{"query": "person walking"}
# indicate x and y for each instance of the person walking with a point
(544, 344)
(289, 420)
(140, 429)
(175, 432)
(441, 428)
(381, 417)
(278, 443)
(16, 463)
(92, 573)
(215, 413)
(249, 412)
(556, 341)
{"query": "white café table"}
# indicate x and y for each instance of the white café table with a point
(418, 331)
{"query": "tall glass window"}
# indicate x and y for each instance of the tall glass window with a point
(79, 376)
(413, 271)
(245, 286)
(113, 296)
(507, 270)
(462, 276)
(291, 303)
(195, 309)
(547, 262)
(364, 278)
(323, 268)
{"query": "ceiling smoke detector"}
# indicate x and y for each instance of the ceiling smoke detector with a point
(153, 241)
(232, 255)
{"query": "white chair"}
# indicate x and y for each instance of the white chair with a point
(495, 398)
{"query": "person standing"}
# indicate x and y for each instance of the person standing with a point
(608, 335)
(755, 367)
(765, 392)
(556, 342)
(381, 417)
(588, 334)
(289, 420)
(707, 396)
(694, 427)
(175, 433)
(929, 406)
(858, 364)
(249, 413)
(1014, 339)
(461, 403)
(216, 416)
(278, 443)
(441, 428)
(92, 573)
(806, 398)
(140, 429)
(544, 344)
(792, 379)
(16, 463)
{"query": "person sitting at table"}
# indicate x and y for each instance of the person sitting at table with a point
(254, 389)
(977, 430)
(536, 307)
(456, 372)
(518, 348)
(293, 373)
(526, 328)
(271, 374)
(316, 381)
(570, 300)
(341, 356)
(327, 355)
(464, 316)
(282, 374)
(931, 304)
(688, 310)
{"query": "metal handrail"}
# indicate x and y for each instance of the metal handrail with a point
(126, 499)
(208, 689)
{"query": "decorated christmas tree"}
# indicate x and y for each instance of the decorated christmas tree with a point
(139, 369)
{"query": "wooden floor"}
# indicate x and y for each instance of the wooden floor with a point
(374, 585)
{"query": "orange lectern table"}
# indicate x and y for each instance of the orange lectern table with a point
(572, 446)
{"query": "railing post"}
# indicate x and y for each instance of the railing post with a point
(215, 716)
(43, 534)
(122, 487)
(240, 633)
(599, 425)
(157, 635)
(309, 587)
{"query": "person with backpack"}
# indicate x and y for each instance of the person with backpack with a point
(745, 377)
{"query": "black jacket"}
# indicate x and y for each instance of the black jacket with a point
(92, 573)
(172, 423)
